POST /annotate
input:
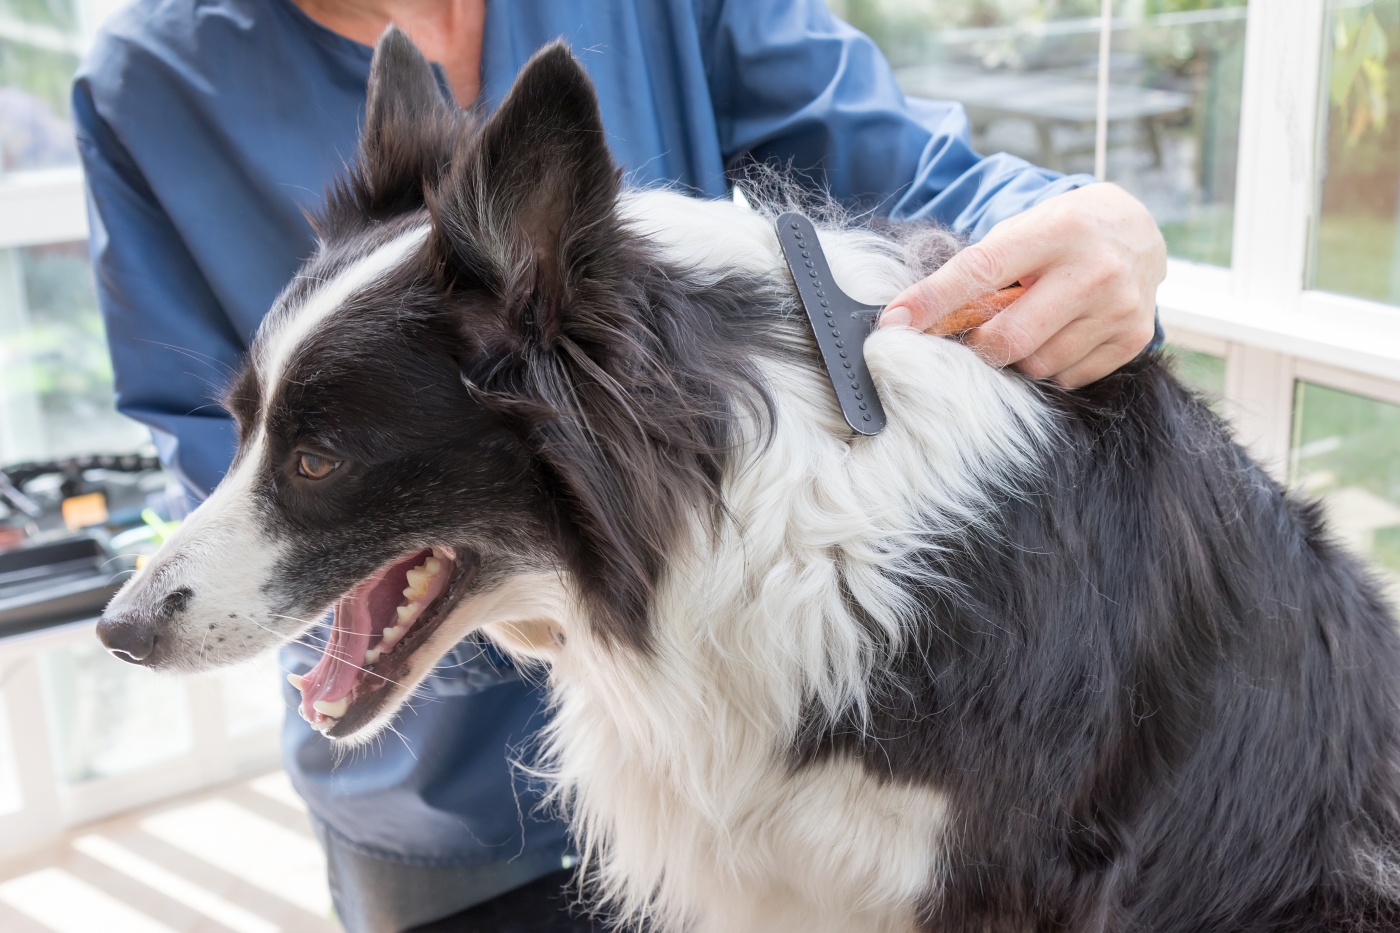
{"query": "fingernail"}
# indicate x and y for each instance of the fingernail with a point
(897, 316)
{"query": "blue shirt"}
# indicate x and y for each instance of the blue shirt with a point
(208, 128)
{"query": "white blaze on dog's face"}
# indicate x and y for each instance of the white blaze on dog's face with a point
(411, 451)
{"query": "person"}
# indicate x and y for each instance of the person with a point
(209, 130)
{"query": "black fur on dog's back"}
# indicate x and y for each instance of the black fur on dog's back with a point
(1161, 698)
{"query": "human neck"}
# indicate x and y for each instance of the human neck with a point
(448, 32)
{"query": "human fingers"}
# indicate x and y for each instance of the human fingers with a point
(1103, 360)
(1042, 312)
(1007, 254)
(1062, 350)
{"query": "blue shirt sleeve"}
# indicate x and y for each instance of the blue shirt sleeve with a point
(792, 84)
(155, 301)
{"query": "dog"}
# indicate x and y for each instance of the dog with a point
(1029, 659)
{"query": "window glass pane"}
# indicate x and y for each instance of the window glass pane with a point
(11, 799)
(1355, 248)
(1346, 448)
(1176, 68)
(1204, 372)
(1024, 69)
(56, 14)
(55, 376)
(108, 717)
(1027, 72)
(253, 696)
(40, 44)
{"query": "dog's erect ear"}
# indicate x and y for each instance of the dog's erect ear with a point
(403, 97)
(525, 206)
(407, 138)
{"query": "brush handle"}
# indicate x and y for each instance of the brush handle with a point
(976, 312)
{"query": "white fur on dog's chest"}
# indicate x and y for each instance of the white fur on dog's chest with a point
(730, 838)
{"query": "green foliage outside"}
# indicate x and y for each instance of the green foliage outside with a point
(1360, 190)
(1356, 86)
(1342, 441)
(43, 71)
(1204, 372)
(1361, 435)
(45, 74)
(59, 14)
(1355, 254)
(63, 355)
(1206, 235)
(1362, 144)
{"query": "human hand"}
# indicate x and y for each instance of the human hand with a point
(1090, 260)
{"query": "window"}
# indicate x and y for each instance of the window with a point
(81, 734)
(1279, 298)
(1204, 372)
(40, 43)
(1359, 179)
(1027, 72)
(55, 376)
(1174, 81)
(1346, 449)
(55, 381)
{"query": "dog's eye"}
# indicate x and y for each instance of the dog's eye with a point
(313, 467)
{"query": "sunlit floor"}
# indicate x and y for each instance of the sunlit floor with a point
(239, 859)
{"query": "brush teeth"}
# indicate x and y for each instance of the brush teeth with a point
(370, 623)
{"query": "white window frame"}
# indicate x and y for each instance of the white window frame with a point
(42, 207)
(1259, 314)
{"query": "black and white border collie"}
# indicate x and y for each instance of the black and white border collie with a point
(1028, 660)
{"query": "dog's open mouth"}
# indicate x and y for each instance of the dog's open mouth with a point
(378, 625)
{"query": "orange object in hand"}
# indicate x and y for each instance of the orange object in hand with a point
(976, 312)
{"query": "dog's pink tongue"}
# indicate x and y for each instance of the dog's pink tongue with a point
(334, 675)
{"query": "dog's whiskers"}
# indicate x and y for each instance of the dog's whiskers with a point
(332, 651)
(315, 623)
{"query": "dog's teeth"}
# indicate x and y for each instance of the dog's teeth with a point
(418, 579)
(433, 566)
(295, 680)
(416, 592)
(407, 614)
(392, 634)
(325, 724)
(440, 554)
(373, 654)
(332, 708)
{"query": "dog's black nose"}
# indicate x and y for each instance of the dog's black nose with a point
(131, 633)
(130, 637)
